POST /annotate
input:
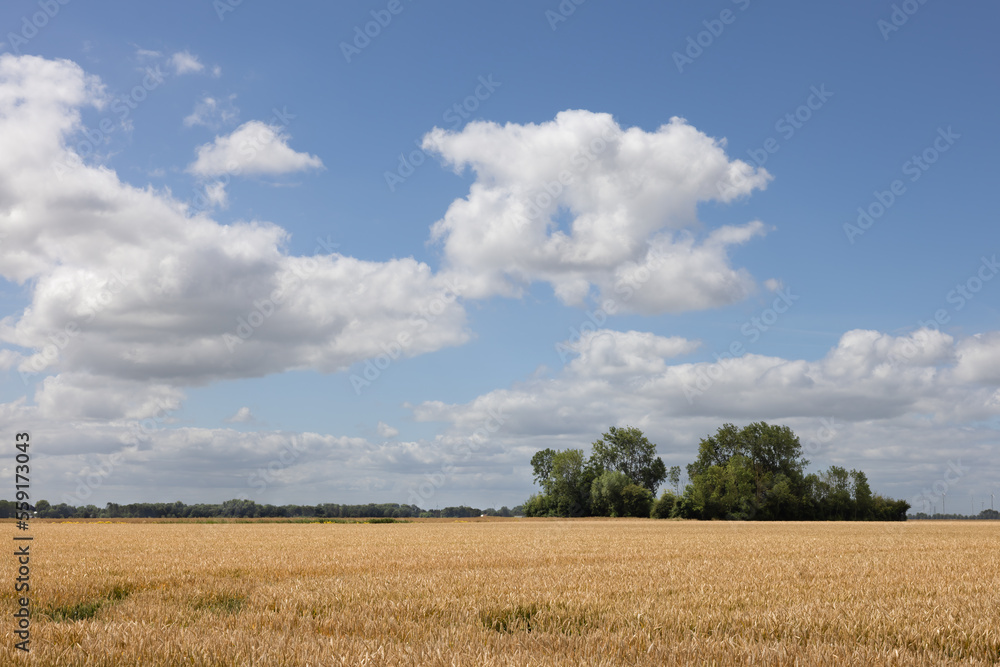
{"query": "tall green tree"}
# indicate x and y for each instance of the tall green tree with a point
(770, 450)
(674, 476)
(724, 491)
(839, 504)
(541, 464)
(628, 451)
(716, 450)
(862, 495)
(606, 493)
(566, 478)
(568, 481)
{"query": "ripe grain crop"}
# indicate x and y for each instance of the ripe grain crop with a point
(517, 592)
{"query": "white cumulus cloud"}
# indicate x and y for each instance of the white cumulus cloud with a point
(582, 203)
(253, 148)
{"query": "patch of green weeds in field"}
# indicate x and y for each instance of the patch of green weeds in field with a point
(509, 619)
(86, 609)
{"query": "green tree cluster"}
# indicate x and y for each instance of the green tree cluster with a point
(619, 478)
(757, 472)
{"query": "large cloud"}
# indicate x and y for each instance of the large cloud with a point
(623, 376)
(580, 202)
(128, 284)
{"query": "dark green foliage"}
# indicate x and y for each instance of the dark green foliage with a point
(536, 505)
(637, 500)
(606, 497)
(461, 512)
(664, 506)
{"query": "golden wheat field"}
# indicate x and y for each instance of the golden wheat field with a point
(515, 592)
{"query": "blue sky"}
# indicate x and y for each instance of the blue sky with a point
(802, 113)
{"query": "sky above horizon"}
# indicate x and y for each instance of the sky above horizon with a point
(385, 251)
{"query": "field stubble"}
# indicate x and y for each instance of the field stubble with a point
(529, 592)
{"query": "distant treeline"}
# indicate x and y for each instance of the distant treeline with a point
(239, 508)
(985, 514)
(753, 473)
